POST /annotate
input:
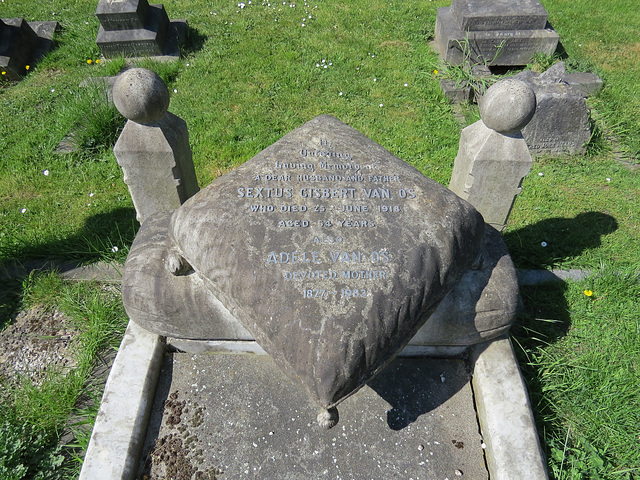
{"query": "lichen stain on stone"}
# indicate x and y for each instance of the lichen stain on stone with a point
(177, 455)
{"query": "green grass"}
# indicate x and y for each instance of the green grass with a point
(614, 50)
(579, 350)
(250, 75)
(34, 416)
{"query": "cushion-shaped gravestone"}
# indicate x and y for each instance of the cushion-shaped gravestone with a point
(331, 252)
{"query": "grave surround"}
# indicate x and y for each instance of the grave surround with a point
(327, 240)
(244, 259)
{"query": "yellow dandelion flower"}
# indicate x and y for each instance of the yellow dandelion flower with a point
(97, 60)
(27, 67)
(3, 72)
(588, 293)
(435, 72)
(89, 62)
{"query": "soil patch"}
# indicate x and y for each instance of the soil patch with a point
(38, 341)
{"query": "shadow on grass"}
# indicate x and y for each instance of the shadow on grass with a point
(91, 244)
(194, 42)
(544, 319)
(553, 241)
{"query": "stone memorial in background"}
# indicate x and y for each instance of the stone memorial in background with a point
(22, 43)
(331, 253)
(153, 148)
(493, 157)
(561, 124)
(495, 32)
(133, 28)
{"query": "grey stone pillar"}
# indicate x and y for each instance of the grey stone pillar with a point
(493, 156)
(153, 148)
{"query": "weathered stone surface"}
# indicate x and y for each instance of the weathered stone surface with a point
(585, 82)
(155, 156)
(414, 420)
(157, 163)
(171, 305)
(561, 123)
(499, 15)
(121, 422)
(488, 171)
(502, 47)
(508, 106)
(16, 42)
(490, 165)
(510, 428)
(122, 14)
(140, 95)
(330, 251)
(455, 92)
(483, 304)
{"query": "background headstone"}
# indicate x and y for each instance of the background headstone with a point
(153, 148)
(561, 124)
(22, 43)
(493, 157)
(133, 28)
(496, 32)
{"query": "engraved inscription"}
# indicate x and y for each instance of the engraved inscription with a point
(325, 196)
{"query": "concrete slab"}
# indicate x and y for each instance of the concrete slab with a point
(539, 277)
(239, 415)
(405, 416)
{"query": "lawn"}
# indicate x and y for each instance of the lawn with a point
(253, 71)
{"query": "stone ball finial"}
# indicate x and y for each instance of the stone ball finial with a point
(508, 106)
(140, 95)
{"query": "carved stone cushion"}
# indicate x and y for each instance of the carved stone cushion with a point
(329, 250)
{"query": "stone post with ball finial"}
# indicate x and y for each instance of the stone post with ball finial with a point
(493, 157)
(153, 148)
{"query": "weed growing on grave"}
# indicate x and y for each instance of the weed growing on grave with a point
(114, 66)
(168, 71)
(466, 73)
(25, 452)
(541, 62)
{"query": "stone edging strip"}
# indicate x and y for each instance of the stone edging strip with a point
(537, 277)
(120, 427)
(512, 446)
